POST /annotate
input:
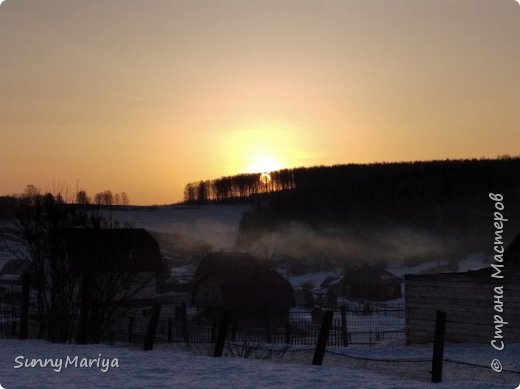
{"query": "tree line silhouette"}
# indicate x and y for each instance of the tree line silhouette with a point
(444, 193)
(105, 198)
(410, 210)
(241, 186)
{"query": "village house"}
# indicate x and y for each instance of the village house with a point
(367, 282)
(118, 273)
(241, 283)
(122, 253)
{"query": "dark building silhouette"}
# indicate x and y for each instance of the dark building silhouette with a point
(469, 299)
(11, 282)
(241, 283)
(368, 283)
(112, 250)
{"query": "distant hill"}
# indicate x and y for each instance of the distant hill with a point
(440, 194)
(372, 192)
(447, 201)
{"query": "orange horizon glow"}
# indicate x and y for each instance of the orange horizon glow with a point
(144, 100)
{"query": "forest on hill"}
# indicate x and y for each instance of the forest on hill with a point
(410, 190)
(446, 201)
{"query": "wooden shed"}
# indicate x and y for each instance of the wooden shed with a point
(469, 299)
(240, 282)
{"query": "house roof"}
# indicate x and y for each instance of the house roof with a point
(112, 250)
(370, 274)
(329, 280)
(243, 282)
(511, 260)
(230, 266)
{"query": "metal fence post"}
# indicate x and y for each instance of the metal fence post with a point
(152, 328)
(222, 332)
(288, 331)
(130, 329)
(24, 310)
(344, 325)
(268, 328)
(319, 352)
(170, 330)
(438, 346)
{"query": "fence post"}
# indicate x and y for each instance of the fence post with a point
(344, 332)
(234, 325)
(152, 328)
(83, 327)
(181, 317)
(438, 346)
(185, 323)
(221, 337)
(288, 331)
(41, 327)
(24, 312)
(170, 330)
(214, 328)
(13, 328)
(319, 352)
(130, 329)
(268, 330)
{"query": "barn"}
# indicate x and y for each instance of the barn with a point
(241, 283)
(475, 302)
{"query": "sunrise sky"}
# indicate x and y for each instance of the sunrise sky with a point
(146, 96)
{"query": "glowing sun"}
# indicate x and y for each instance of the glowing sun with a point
(265, 178)
(264, 164)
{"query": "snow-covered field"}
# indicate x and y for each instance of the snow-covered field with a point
(173, 367)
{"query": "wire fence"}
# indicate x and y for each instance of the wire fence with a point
(259, 336)
(299, 326)
(354, 325)
(8, 325)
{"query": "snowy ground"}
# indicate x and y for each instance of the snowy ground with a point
(312, 279)
(173, 367)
